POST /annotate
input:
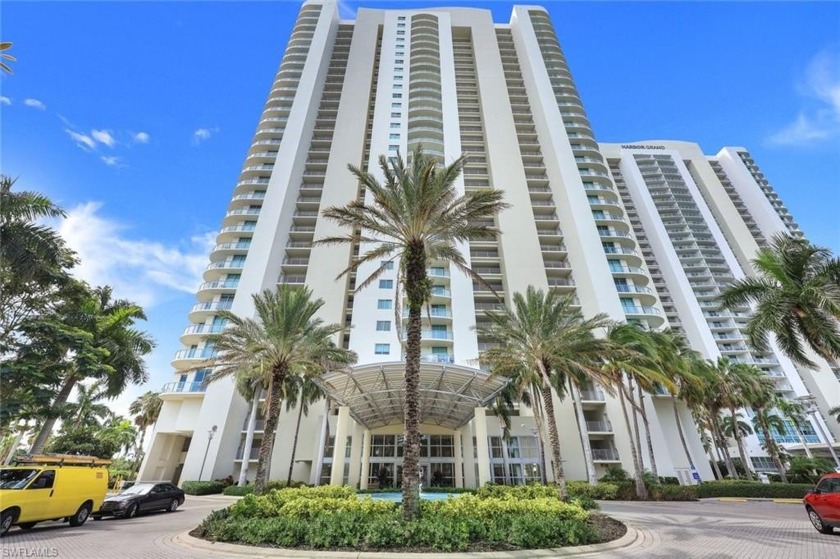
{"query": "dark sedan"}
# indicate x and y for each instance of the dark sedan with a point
(140, 498)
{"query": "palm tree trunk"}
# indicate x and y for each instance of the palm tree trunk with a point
(49, 423)
(649, 439)
(138, 453)
(583, 430)
(278, 375)
(801, 437)
(682, 435)
(294, 443)
(415, 286)
(538, 422)
(249, 439)
(554, 440)
(770, 443)
(635, 410)
(736, 432)
(720, 441)
(641, 490)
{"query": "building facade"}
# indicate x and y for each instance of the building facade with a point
(453, 81)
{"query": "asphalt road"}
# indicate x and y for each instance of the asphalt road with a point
(707, 530)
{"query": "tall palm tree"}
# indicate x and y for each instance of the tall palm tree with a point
(99, 343)
(677, 361)
(86, 409)
(145, 410)
(729, 423)
(27, 248)
(765, 421)
(543, 340)
(303, 392)
(795, 412)
(415, 216)
(630, 356)
(797, 298)
(284, 339)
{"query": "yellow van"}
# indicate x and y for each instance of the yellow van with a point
(51, 487)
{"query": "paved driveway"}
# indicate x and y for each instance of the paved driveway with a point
(715, 530)
(707, 530)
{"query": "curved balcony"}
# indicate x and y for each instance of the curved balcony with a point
(194, 333)
(180, 390)
(623, 271)
(241, 230)
(229, 249)
(440, 293)
(186, 358)
(432, 335)
(202, 311)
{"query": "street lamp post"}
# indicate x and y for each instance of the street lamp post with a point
(811, 409)
(210, 435)
(23, 427)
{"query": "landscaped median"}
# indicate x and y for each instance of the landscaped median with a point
(330, 517)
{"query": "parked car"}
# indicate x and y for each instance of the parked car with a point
(51, 487)
(823, 504)
(141, 497)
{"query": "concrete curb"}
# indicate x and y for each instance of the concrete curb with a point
(633, 538)
(755, 500)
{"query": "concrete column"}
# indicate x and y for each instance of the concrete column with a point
(363, 483)
(340, 447)
(459, 461)
(468, 455)
(355, 451)
(483, 453)
(315, 478)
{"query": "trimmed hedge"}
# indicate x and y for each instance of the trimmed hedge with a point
(237, 491)
(754, 489)
(202, 487)
(330, 517)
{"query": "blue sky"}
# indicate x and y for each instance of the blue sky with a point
(136, 116)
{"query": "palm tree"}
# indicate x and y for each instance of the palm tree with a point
(630, 355)
(729, 423)
(835, 411)
(414, 217)
(766, 422)
(796, 296)
(302, 393)
(145, 409)
(119, 432)
(85, 410)
(5, 56)
(676, 360)
(542, 340)
(285, 339)
(795, 413)
(99, 343)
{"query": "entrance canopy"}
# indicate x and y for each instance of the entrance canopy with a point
(375, 393)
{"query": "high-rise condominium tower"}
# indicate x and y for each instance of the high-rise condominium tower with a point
(453, 81)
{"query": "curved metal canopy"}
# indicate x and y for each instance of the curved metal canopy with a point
(375, 393)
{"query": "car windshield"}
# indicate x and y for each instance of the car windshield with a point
(16, 478)
(141, 489)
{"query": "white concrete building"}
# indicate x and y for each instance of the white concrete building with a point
(456, 82)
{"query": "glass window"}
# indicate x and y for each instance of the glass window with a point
(398, 61)
(402, 32)
(395, 115)
(44, 481)
(383, 325)
(394, 137)
(393, 147)
(386, 284)
(385, 304)
(396, 105)
(387, 264)
(382, 349)
(395, 125)
(398, 78)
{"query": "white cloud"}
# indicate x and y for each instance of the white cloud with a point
(141, 138)
(5, 100)
(82, 140)
(203, 134)
(819, 120)
(141, 270)
(103, 137)
(112, 161)
(34, 103)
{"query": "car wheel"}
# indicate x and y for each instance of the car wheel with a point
(7, 518)
(132, 511)
(27, 525)
(818, 523)
(81, 515)
(173, 505)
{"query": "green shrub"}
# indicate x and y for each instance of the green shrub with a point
(616, 473)
(754, 489)
(586, 503)
(602, 490)
(661, 492)
(334, 517)
(202, 487)
(238, 491)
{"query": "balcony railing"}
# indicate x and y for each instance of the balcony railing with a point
(432, 358)
(174, 387)
(599, 426)
(605, 454)
(641, 310)
(592, 395)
